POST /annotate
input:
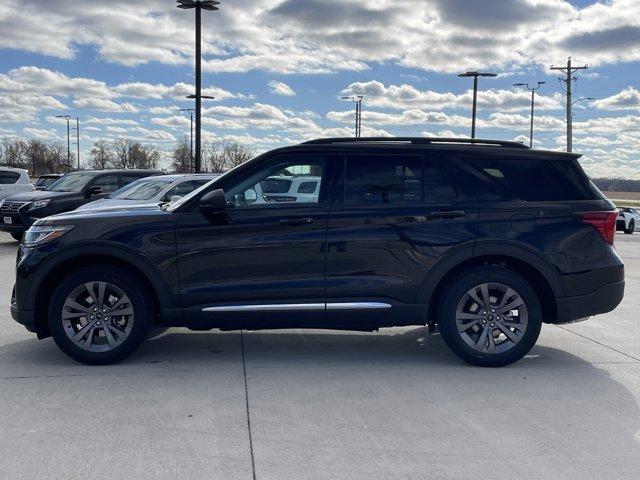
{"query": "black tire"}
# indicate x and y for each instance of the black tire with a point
(16, 236)
(454, 294)
(127, 283)
(631, 229)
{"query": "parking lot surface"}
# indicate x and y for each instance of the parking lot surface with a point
(325, 405)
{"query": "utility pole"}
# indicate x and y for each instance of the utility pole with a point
(68, 119)
(533, 101)
(357, 99)
(475, 76)
(198, 5)
(568, 71)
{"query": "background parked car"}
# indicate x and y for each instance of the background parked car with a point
(152, 190)
(628, 220)
(44, 181)
(285, 188)
(14, 180)
(19, 212)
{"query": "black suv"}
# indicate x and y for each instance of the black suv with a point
(485, 239)
(19, 212)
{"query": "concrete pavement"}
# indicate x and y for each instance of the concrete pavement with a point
(325, 405)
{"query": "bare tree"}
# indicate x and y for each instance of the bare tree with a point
(14, 152)
(129, 153)
(182, 161)
(223, 156)
(101, 156)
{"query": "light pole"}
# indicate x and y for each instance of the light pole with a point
(198, 5)
(77, 129)
(533, 101)
(357, 99)
(475, 76)
(68, 119)
(191, 111)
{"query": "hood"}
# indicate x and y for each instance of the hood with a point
(38, 195)
(97, 214)
(115, 203)
(106, 204)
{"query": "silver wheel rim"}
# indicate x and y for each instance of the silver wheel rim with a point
(491, 318)
(97, 316)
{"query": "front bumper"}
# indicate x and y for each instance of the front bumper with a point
(603, 300)
(20, 223)
(25, 318)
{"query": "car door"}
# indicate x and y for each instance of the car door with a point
(261, 262)
(397, 215)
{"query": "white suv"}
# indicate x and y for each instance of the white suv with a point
(284, 188)
(14, 181)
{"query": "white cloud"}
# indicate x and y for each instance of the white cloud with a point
(280, 88)
(629, 98)
(407, 96)
(104, 105)
(312, 36)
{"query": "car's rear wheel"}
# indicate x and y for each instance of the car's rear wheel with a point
(631, 229)
(490, 316)
(99, 315)
(16, 236)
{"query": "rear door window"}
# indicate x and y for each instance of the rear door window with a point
(383, 179)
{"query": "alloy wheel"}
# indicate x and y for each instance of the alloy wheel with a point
(97, 316)
(491, 318)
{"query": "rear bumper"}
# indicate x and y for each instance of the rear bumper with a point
(603, 300)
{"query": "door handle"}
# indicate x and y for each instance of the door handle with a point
(295, 222)
(448, 214)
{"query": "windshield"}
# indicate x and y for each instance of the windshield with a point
(73, 182)
(144, 189)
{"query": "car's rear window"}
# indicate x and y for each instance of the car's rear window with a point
(525, 179)
(273, 185)
(8, 178)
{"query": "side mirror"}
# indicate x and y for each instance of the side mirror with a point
(214, 201)
(93, 191)
(175, 198)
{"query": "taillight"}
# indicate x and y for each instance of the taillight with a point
(604, 222)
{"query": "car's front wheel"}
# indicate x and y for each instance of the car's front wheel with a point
(99, 315)
(490, 316)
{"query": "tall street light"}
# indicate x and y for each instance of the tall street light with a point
(533, 101)
(475, 76)
(77, 129)
(190, 111)
(357, 99)
(198, 5)
(68, 119)
(570, 124)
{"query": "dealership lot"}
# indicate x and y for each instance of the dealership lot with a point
(318, 404)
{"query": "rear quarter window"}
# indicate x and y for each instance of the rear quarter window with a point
(9, 178)
(526, 179)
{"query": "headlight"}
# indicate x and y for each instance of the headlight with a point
(1, 202)
(39, 204)
(38, 235)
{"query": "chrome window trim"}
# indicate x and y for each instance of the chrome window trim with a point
(299, 307)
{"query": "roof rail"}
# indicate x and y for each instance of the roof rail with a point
(418, 141)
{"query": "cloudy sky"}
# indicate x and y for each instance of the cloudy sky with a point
(278, 69)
